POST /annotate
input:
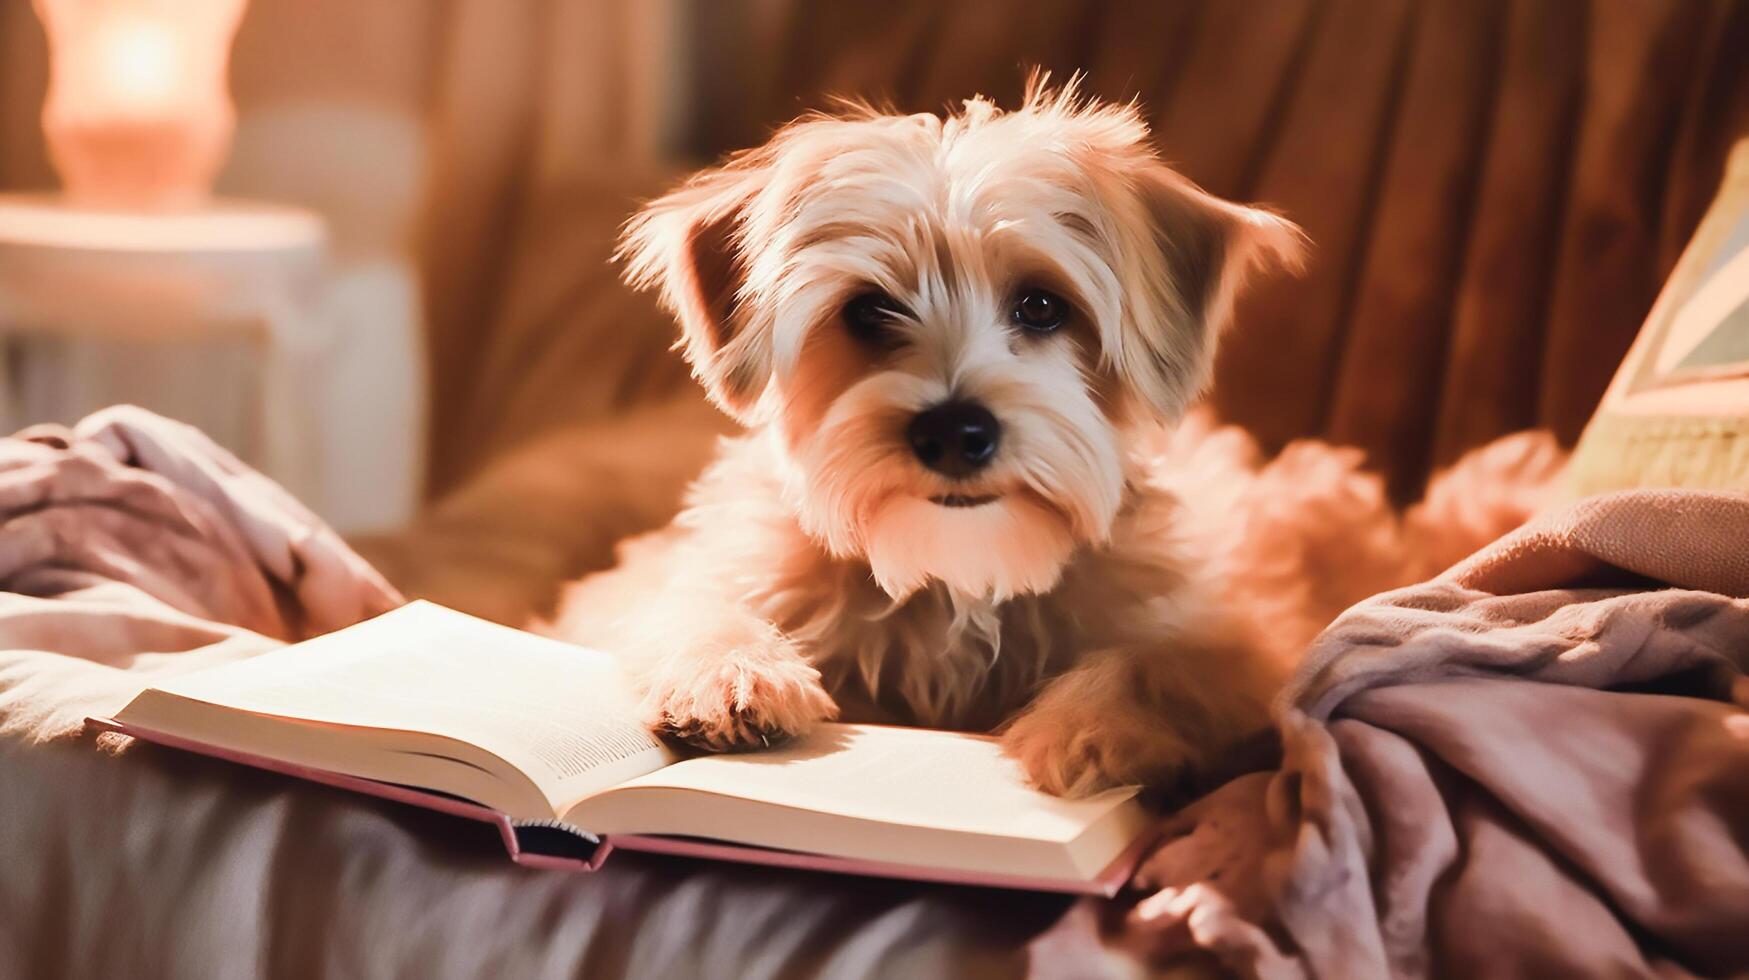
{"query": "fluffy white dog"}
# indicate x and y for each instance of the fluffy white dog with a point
(957, 344)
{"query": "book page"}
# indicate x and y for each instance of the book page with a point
(561, 714)
(935, 780)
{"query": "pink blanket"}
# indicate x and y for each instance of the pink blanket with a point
(131, 546)
(130, 498)
(1535, 765)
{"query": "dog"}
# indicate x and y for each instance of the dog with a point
(963, 348)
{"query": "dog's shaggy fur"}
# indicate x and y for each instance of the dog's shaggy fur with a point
(1117, 598)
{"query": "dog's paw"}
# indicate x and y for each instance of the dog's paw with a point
(1075, 754)
(752, 692)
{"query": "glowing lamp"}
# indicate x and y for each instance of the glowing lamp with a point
(138, 113)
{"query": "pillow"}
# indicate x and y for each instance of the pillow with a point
(1677, 412)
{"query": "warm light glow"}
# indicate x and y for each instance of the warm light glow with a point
(138, 114)
(138, 62)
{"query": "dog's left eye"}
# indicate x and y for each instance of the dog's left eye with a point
(1039, 311)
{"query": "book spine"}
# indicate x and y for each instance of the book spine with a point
(554, 844)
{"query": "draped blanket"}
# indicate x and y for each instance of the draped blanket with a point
(1536, 764)
(132, 536)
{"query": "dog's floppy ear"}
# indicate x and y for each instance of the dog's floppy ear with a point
(1200, 250)
(689, 245)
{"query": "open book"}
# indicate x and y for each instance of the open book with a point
(431, 706)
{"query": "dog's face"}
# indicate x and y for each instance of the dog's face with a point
(952, 326)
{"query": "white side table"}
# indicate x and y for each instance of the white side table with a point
(212, 316)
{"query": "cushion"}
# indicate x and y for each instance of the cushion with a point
(1677, 412)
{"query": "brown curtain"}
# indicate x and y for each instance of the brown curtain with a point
(546, 120)
(1495, 188)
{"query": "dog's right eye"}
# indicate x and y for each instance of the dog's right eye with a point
(870, 316)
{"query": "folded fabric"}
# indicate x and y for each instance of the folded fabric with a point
(1536, 764)
(131, 535)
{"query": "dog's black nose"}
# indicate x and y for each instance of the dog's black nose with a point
(955, 439)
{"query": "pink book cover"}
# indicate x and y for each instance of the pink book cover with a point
(586, 852)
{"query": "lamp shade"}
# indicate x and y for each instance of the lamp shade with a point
(138, 113)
